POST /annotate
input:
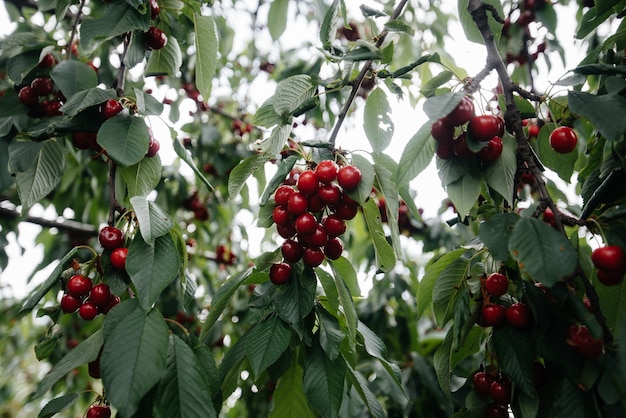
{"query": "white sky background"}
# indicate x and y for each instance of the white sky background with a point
(406, 119)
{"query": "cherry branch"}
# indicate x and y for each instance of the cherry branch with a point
(114, 205)
(74, 29)
(64, 224)
(356, 84)
(513, 120)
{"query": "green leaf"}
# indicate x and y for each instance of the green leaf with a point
(221, 299)
(377, 123)
(500, 174)
(343, 269)
(441, 362)
(613, 304)
(183, 392)
(375, 347)
(243, 170)
(73, 76)
(143, 177)
(266, 342)
(600, 111)
(329, 25)
(266, 115)
(208, 370)
(430, 86)
(42, 176)
(289, 398)
(469, 26)
(400, 26)
(276, 141)
(417, 155)
(147, 104)
(284, 168)
(22, 155)
(57, 405)
(165, 61)
(516, 356)
(119, 18)
(277, 18)
(437, 107)
(83, 353)
(495, 233)
(330, 290)
(125, 138)
(152, 267)
(562, 164)
(348, 310)
(385, 256)
(536, 247)
(360, 384)
(185, 155)
(331, 335)
(134, 358)
(292, 92)
(368, 176)
(448, 287)
(464, 193)
(386, 168)
(81, 100)
(153, 222)
(323, 380)
(206, 57)
(427, 284)
(294, 300)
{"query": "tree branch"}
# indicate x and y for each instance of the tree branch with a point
(356, 84)
(63, 224)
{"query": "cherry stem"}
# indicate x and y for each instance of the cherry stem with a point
(356, 83)
(178, 324)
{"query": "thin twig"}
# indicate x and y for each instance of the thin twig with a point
(64, 225)
(356, 84)
(68, 54)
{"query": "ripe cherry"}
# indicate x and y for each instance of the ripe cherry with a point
(496, 411)
(518, 315)
(349, 177)
(118, 258)
(500, 391)
(610, 278)
(70, 303)
(93, 368)
(334, 225)
(313, 257)
(445, 150)
(52, 108)
(153, 148)
(563, 139)
(585, 345)
(482, 381)
(100, 294)
(484, 127)
(462, 113)
(280, 273)
(88, 311)
(329, 194)
(27, 96)
(110, 108)
(333, 248)
(305, 224)
(41, 86)
(154, 38)
(84, 140)
(47, 61)
(326, 171)
(491, 151)
(307, 183)
(318, 238)
(291, 250)
(297, 203)
(496, 284)
(286, 231)
(442, 130)
(111, 238)
(459, 145)
(346, 211)
(154, 9)
(99, 411)
(79, 286)
(281, 216)
(492, 315)
(113, 301)
(609, 258)
(281, 196)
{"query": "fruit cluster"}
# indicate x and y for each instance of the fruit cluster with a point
(482, 137)
(89, 300)
(497, 388)
(585, 345)
(492, 314)
(609, 261)
(312, 216)
(112, 239)
(41, 97)
(514, 24)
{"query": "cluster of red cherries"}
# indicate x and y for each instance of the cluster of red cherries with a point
(40, 95)
(611, 264)
(482, 137)
(497, 387)
(493, 314)
(312, 216)
(88, 299)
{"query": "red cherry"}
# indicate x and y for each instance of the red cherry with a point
(442, 130)
(79, 286)
(118, 258)
(280, 273)
(333, 248)
(329, 194)
(482, 381)
(563, 139)
(533, 130)
(484, 127)
(496, 284)
(297, 204)
(100, 294)
(345, 211)
(153, 148)
(307, 183)
(518, 315)
(99, 411)
(110, 108)
(610, 278)
(70, 304)
(154, 38)
(609, 258)
(315, 204)
(445, 150)
(313, 257)
(281, 216)
(462, 113)
(326, 171)
(496, 411)
(41, 86)
(500, 392)
(292, 251)
(318, 238)
(286, 231)
(305, 224)
(47, 61)
(491, 151)
(93, 367)
(154, 9)
(28, 96)
(84, 140)
(114, 300)
(349, 177)
(334, 225)
(281, 196)
(88, 311)
(585, 345)
(459, 145)
(111, 238)
(492, 315)
(51, 108)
